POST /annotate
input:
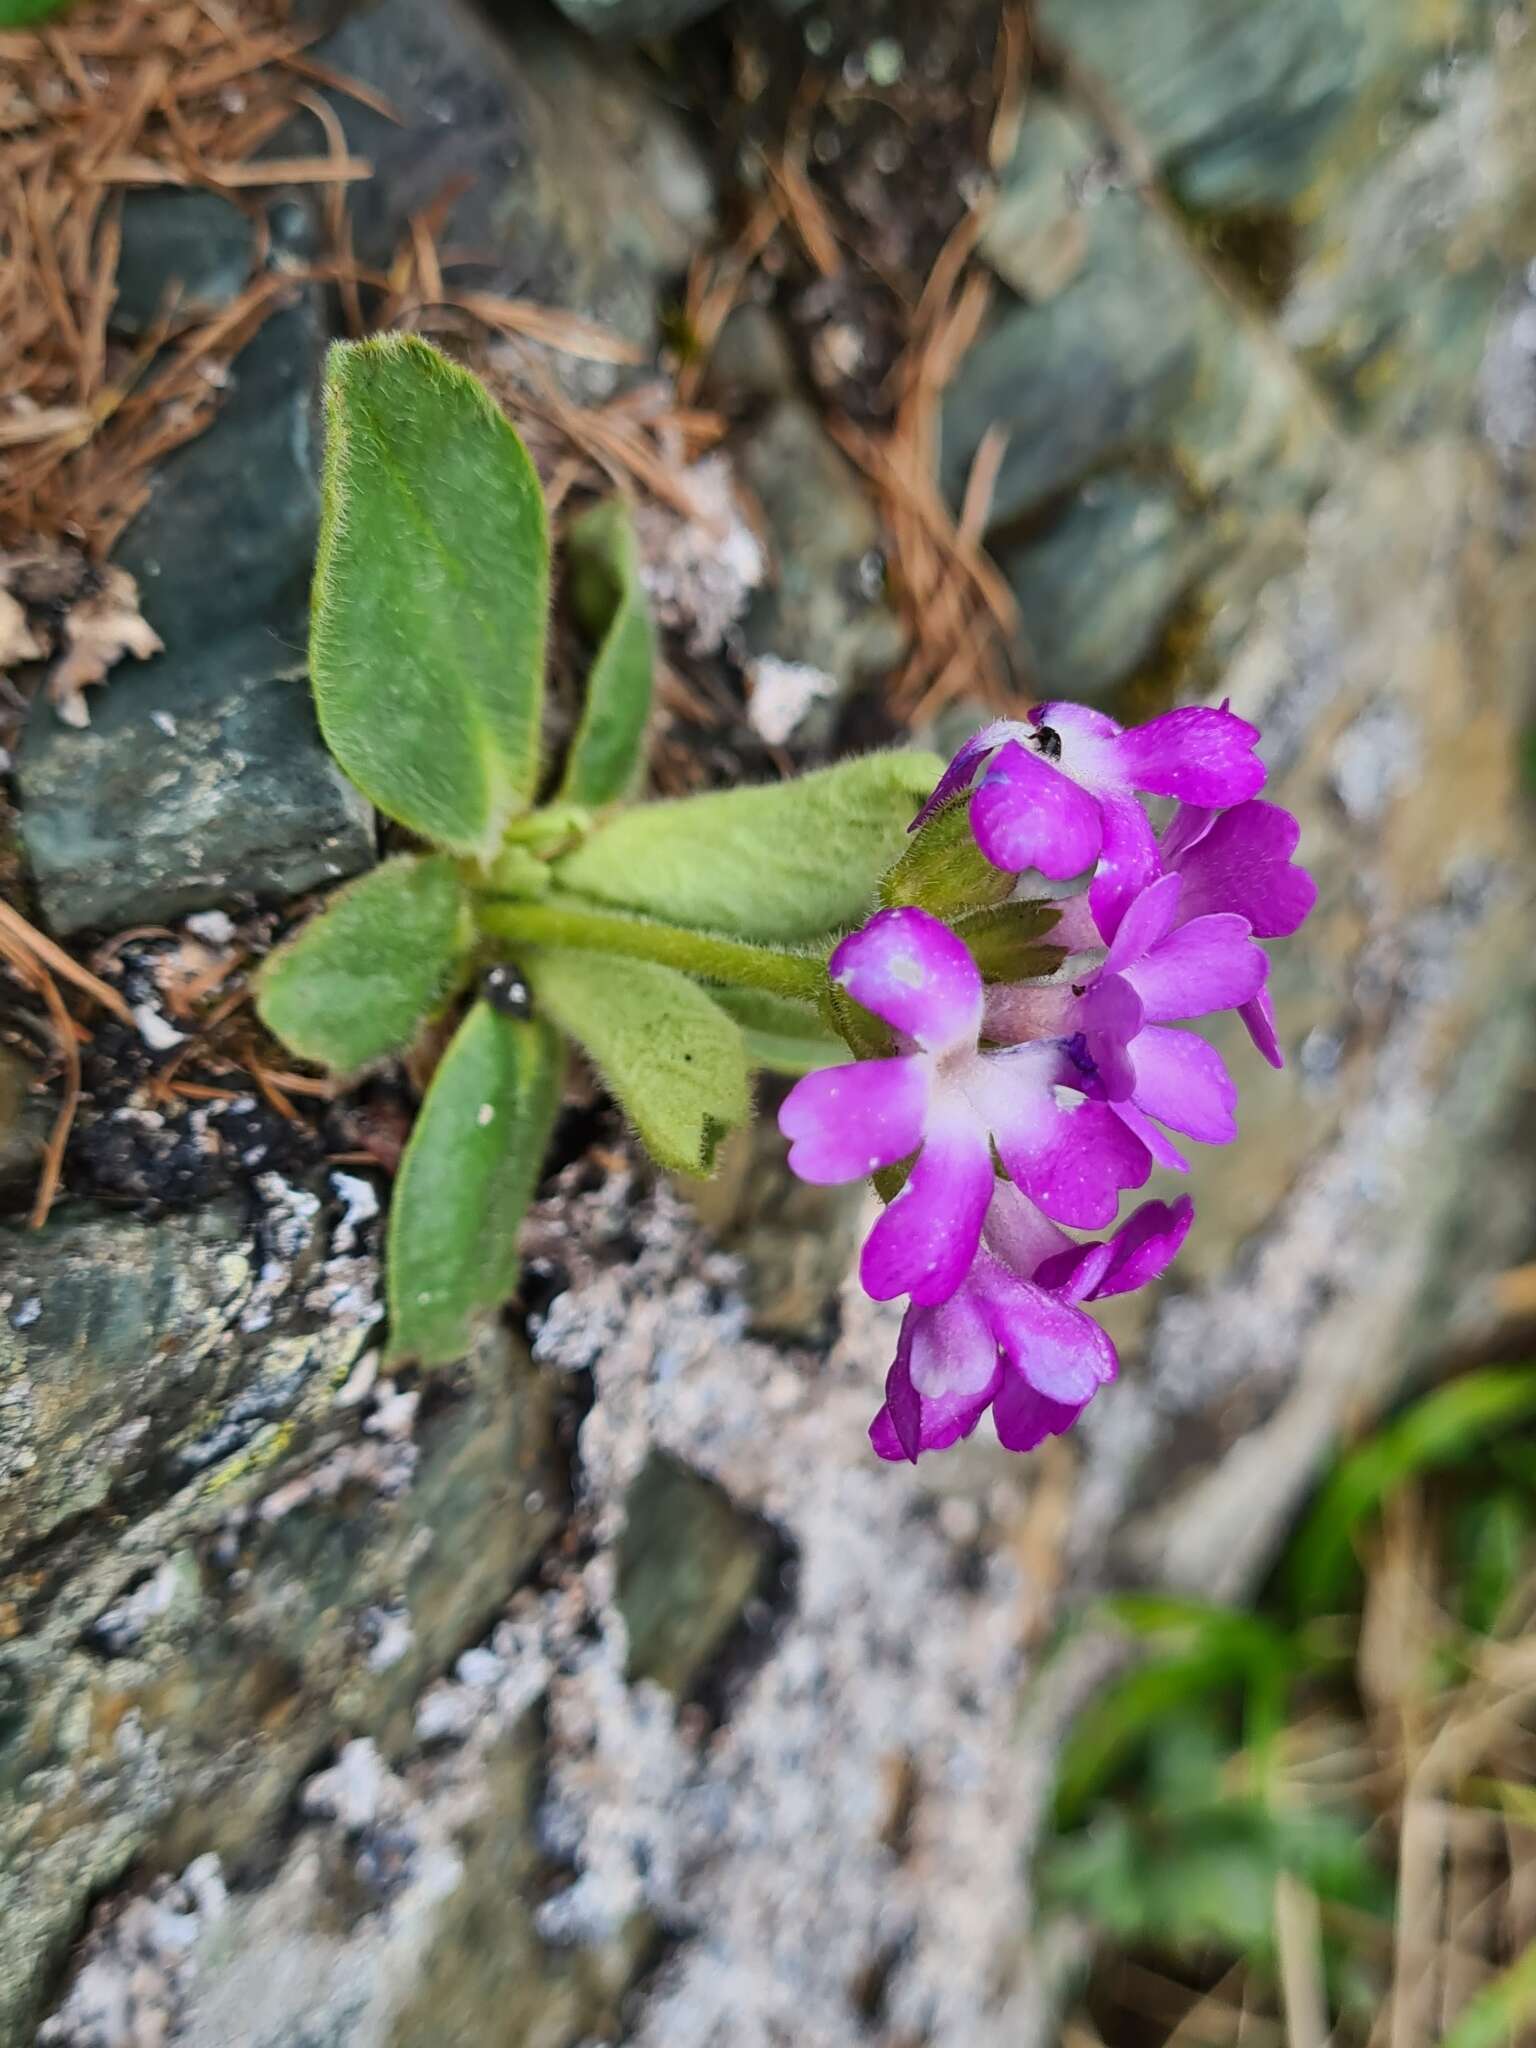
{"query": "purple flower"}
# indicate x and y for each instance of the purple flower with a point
(1240, 860)
(1060, 790)
(1160, 968)
(948, 1103)
(1013, 1338)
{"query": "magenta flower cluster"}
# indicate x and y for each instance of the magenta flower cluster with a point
(1024, 1110)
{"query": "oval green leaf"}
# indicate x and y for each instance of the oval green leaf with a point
(609, 600)
(672, 1059)
(361, 979)
(784, 863)
(467, 1177)
(431, 594)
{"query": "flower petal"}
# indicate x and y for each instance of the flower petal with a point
(1242, 863)
(1259, 1018)
(1017, 1235)
(925, 1242)
(1186, 828)
(909, 1424)
(1060, 1351)
(1147, 921)
(1109, 1016)
(1198, 754)
(1146, 1245)
(1084, 741)
(912, 971)
(1208, 965)
(1076, 1274)
(1024, 1419)
(1070, 1155)
(961, 770)
(1184, 1082)
(953, 1349)
(1128, 863)
(1027, 814)
(845, 1122)
(1157, 1141)
(939, 1424)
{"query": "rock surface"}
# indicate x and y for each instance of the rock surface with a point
(202, 777)
(604, 1687)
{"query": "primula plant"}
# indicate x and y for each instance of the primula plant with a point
(972, 970)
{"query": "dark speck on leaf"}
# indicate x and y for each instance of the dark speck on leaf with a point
(505, 990)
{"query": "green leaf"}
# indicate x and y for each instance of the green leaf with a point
(467, 1176)
(1004, 940)
(783, 1036)
(785, 863)
(431, 594)
(361, 979)
(943, 870)
(1501, 2012)
(1456, 1421)
(22, 13)
(673, 1060)
(609, 600)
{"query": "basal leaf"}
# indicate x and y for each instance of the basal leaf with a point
(942, 869)
(467, 1176)
(783, 863)
(782, 1036)
(609, 600)
(361, 978)
(431, 594)
(674, 1061)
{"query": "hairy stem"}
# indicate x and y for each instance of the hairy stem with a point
(711, 957)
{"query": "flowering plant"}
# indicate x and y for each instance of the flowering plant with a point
(1013, 1068)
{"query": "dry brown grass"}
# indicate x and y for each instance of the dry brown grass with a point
(1438, 1748)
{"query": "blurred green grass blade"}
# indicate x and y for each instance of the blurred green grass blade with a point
(1500, 2013)
(1445, 1427)
(1114, 1727)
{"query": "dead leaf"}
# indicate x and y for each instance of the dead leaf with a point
(99, 631)
(18, 642)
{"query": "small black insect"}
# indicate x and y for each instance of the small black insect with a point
(1048, 742)
(504, 988)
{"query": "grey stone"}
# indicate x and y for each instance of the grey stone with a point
(1097, 588)
(202, 776)
(1237, 98)
(627, 20)
(194, 244)
(579, 186)
(220, 1553)
(1087, 374)
(688, 1562)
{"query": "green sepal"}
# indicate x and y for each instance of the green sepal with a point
(1004, 940)
(466, 1179)
(782, 864)
(782, 1036)
(672, 1059)
(361, 979)
(943, 870)
(609, 600)
(431, 594)
(866, 1036)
